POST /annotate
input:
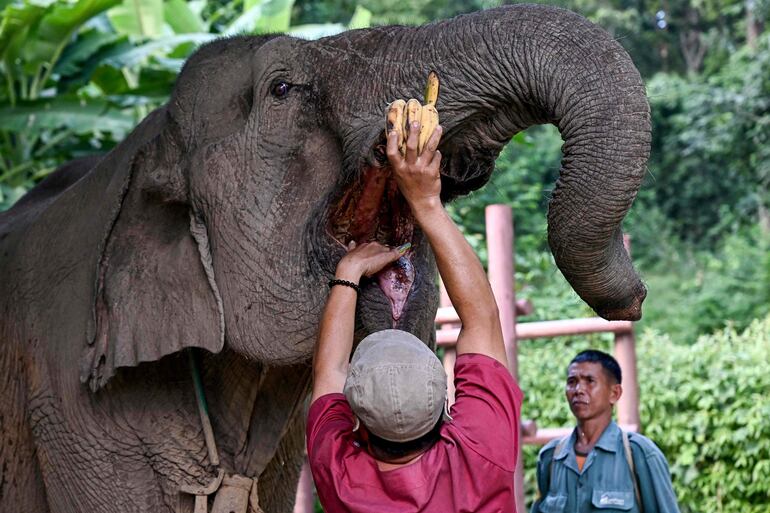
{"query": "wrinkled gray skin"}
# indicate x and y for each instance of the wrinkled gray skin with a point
(208, 227)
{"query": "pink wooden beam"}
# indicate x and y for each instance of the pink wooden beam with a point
(545, 435)
(305, 499)
(499, 221)
(625, 354)
(447, 314)
(544, 329)
(529, 330)
(528, 427)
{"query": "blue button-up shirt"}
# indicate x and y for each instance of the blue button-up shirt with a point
(605, 483)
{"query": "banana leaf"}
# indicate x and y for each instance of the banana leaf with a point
(138, 18)
(84, 47)
(362, 18)
(80, 116)
(262, 17)
(181, 18)
(276, 15)
(317, 30)
(85, 69)
(136, 55)
(15, 24)
(47, 39)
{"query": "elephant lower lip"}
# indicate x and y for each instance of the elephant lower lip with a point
(373, 209)
(396, 282)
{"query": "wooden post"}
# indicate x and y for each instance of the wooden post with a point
(305, 500)
(500, 249)
(499, 221)
(625, 354)
(450, 354)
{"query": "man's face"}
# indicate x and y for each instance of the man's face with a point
(590, 390)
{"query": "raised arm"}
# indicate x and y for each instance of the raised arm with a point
(335, 334)
(464, 278)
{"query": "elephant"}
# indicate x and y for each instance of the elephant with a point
(206, 240)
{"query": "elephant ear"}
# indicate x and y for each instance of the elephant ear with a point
(155, 292)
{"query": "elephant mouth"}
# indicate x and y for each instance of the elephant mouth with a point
(373, 209)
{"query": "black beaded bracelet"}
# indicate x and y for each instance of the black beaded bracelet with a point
(347, 283)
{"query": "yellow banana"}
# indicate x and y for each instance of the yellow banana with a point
(396, 121)
(428, 123)
(413, 113)
(401, 114)
(429, 117)
(431, 89)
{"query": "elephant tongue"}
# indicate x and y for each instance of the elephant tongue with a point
(396, 281)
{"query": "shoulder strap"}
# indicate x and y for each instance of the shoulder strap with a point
(556, 452)
(630, 460)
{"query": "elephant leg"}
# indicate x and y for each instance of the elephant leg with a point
(258, 416)
(275, 443)
(278, 483)
(21, 483)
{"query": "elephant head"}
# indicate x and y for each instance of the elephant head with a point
(231, 205)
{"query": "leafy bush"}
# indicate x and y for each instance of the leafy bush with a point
(706, 406)
(697, 292)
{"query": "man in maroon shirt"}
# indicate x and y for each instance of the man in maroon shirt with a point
(383, 445)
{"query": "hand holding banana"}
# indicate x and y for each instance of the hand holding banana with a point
(401, 114)
(412, 153)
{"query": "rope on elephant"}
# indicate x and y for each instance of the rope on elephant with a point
(203, 410)
(232, 493)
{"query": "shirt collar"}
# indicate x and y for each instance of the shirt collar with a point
(609, 439)
(607, 442)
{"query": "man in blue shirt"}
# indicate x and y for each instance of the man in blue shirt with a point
(599, 467)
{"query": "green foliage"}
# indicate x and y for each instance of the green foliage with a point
(704, 404)
(707, 407)
(389, 12)
(710, 165)
(139, 18)
(698, 292)
(525, 172)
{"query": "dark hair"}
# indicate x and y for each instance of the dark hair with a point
(385, 449)
(609, 364)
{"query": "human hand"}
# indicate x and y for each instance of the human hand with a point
(367, 259)
(417, 174)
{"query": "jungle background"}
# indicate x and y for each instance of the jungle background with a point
(78, 75)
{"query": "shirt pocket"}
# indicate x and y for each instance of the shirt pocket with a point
(608, 500)
(553, 504)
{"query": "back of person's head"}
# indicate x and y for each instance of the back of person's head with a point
(386, 450)
(397, 388)
(608, 363)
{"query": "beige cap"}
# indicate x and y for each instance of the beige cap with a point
(396, 385)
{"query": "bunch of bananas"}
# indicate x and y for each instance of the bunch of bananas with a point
(401, 114)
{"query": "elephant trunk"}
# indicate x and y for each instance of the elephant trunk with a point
(503, 70)
(527, 65)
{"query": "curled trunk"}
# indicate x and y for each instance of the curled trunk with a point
(506, 69)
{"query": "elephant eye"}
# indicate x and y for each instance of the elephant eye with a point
(280, 89)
